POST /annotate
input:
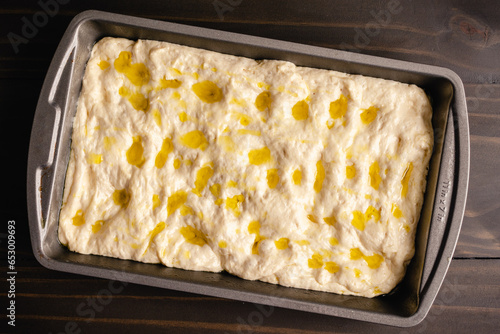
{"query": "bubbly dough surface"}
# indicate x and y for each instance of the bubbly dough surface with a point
(204, 161)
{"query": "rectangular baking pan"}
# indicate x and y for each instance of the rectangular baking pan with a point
(442, 212)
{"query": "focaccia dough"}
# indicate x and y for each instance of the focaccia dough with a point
(198, 160)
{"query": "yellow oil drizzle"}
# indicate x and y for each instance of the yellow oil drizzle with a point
(272, 178)
(259, 156)
(175, 71)
(135, 152)
(137, 100)
(183, 117)
(396, 211)
(95, 158)
(215, 190)
(186, 210)
(157, 117)
(263, 101)
(369, 115)
(222, 244)
(312, 218)
(350, 171)
(195, 139)
(166, 148)
(359, 219)
(330, 123)
(320, 176)
(79, 218)
(207, 91)
(300, 111)
(338, 107)
(156, 201)
(371, 212)
(97, 226)
(239, 102)
(121, 197)
(254, 228)
(103, 65)
(227, 143)
(331, 267)
(172, 83)
(157, 230)
(232, 203)
(137, 73)
(348, 153)
(333, 241)
(231, 184)
(374, 261)
(263, 85)
(108, 142)
(297, 177)
(316, 261)
(302, 242)
(282, 89)
(245, 120)
(202, 177)
(175, 201)
(193, 236)
(282, 243)
(374, 173)
(330, 220)
(177, 164)
(405, 181)
(355, 254)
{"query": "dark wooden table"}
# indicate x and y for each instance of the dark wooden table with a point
(461, 35)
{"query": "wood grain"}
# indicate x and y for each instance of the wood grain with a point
(368, 27)
(480, 235)
(461, 35)
(469, 299)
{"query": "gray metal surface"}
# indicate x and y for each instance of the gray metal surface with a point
(442, 212)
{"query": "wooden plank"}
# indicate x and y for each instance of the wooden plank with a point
(469, 299)
(480, 235)
(409, 33)
(460, 35)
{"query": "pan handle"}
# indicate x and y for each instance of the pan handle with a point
(50, 123)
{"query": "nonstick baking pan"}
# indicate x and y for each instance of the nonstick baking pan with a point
(442, 212)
